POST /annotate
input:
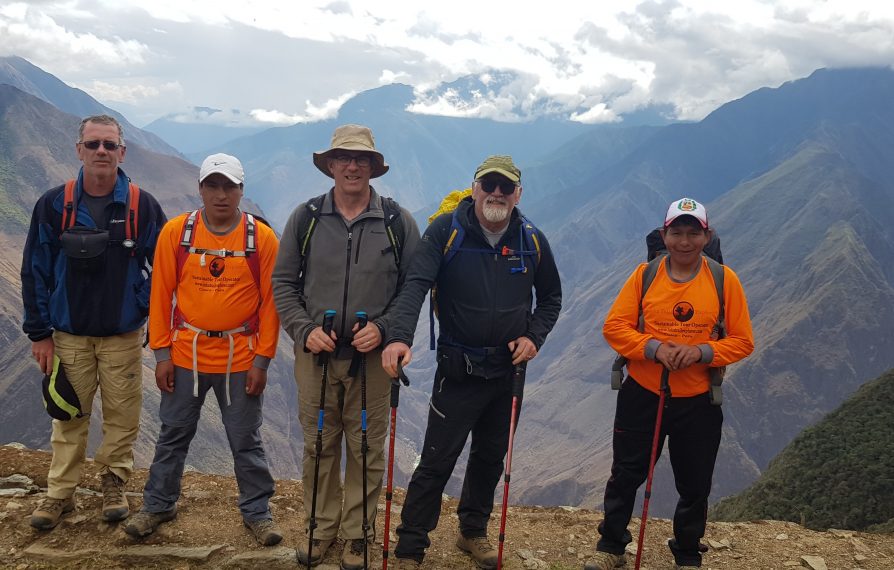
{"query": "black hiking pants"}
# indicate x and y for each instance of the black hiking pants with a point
(692, 426)
(460, 404)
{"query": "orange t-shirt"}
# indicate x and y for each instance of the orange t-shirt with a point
(219, 295)
(684, 313)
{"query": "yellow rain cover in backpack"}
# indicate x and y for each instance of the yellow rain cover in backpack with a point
(450, 202)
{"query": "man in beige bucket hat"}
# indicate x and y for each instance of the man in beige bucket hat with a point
(345, 251)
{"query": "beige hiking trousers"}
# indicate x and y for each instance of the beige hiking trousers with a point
(113, 364)
(340, 508)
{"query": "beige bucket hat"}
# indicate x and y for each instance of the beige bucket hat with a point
(355, 138)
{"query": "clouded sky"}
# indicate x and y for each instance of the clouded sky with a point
(287, 61)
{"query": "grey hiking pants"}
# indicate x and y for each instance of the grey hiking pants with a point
(179, 413)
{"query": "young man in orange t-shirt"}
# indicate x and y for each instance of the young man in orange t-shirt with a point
(679, 312)
(217, 263)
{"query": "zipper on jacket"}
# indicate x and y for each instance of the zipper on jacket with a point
(344, 304)
(359, 239)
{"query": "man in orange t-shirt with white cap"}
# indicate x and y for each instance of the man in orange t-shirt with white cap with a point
(219, 335)
(680, 311)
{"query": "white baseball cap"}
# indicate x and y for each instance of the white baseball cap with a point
(686, 207)
(224, 164)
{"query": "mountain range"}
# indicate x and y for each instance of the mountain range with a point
(797, 181)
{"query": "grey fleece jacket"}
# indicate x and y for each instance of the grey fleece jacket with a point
(350, 268)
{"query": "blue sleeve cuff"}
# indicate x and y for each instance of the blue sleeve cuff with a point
(262, 362)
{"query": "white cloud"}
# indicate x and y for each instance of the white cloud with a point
(31, 32)
(134, 94)
(591, 61)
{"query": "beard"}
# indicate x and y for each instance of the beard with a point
(496, 212)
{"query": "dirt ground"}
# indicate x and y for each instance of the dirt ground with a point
(539, 538)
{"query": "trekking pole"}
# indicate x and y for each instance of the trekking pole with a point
(323, 359)
(518, 389)
(362, 319)
(662, 401)
(395, 398)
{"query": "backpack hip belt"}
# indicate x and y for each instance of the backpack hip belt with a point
(245, 329)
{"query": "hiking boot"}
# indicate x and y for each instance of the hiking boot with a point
(407, 564)
(317, 552)
(114, 503)
(49, 512)
(678, 567)
(144, 523)
(480, 549)
(265, 531)
(352, 555)
(605, 561)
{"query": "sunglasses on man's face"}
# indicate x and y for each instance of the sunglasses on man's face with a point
(490, 185)
(108, 145)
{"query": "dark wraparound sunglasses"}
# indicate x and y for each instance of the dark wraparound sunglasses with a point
(108, 145)
(490, 185)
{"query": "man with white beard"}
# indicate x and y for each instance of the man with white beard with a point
(484, 260)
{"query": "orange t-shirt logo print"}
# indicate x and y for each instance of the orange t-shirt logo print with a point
(217, 266)
(683, 311)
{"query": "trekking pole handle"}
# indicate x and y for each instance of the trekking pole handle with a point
(518, 379)
(401, 375)
(665, 383)
(362, 318)
(328, 320)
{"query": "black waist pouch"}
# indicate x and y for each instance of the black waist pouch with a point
(85, 248)
(488, 364)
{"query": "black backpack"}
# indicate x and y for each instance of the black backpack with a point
(655, 254)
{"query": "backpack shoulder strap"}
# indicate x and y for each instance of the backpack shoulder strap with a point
(69, 205)
(455, 239)
(718, 274)
(133, 213)
(394, 226)
(531, 233)
(314, 207)
(187, 235)
(254, 261)
(649, 274)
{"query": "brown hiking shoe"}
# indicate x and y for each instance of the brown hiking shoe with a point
(265, 531)
(49, 512)
(114, 504)
(480, 549)
(144, 523)
(407, 564)
(317, 552)
(352, 555)
(605, 561)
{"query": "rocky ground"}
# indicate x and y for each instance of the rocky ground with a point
(208, 533)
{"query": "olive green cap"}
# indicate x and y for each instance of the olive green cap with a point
(501, 164)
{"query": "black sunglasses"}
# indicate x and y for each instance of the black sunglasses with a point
(108, 145)
(490, 185)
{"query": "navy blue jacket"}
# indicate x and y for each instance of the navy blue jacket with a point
(481, 301)
(114, 299)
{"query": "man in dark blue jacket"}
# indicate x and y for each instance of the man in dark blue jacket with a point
(485, 261)
(85, 287)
